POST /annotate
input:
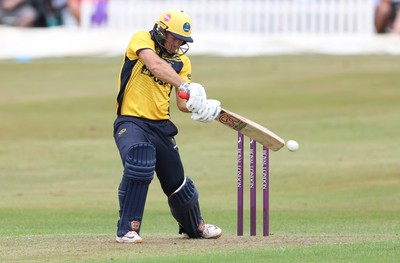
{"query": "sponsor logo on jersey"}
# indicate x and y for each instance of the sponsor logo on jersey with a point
(145, 71)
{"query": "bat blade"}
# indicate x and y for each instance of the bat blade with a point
(245, 126)
(251, 129)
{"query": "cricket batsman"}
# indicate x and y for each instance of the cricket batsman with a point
(155, 61)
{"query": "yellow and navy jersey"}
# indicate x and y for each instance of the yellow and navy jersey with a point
(140, 93)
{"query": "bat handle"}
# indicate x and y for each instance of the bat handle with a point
(184, 92)
(183, 95)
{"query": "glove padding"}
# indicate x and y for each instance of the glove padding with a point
(209, 113)
(197, 99)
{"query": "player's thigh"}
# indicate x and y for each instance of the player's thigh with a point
(126, 135)
(169, 167)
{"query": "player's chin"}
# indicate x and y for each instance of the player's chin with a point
(172, 51)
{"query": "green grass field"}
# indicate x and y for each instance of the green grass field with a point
(335, 200)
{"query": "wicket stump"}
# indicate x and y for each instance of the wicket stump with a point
(253, 185)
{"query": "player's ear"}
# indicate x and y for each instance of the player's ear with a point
(160, 33)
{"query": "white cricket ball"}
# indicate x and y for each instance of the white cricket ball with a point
(292, 145)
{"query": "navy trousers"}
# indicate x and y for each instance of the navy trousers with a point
(131, 130)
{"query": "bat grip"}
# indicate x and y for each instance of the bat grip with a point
(183, 92)
(183, 95)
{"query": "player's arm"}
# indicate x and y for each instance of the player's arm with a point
(163, 71)
(181, 103)
(160, 68)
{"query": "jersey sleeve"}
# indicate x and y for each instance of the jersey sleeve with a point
(140, 40)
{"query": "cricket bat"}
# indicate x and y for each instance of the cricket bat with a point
(251, 129)
(247, 127)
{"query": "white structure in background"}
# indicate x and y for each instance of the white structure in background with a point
(220, 27)
(260, 17)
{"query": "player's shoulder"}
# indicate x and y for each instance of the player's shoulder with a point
(185, 59)
(140, 40)
(142, 34)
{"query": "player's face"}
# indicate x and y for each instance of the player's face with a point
(171, 43)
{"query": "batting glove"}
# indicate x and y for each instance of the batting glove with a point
(209, 113)
(197, 99)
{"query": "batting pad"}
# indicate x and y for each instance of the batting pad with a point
(138, 173)
(185, 208)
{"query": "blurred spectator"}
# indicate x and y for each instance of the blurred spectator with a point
(99, 11)
(387, 16)
(75, 9)
(99, 16)
(17, 13)
(51, 12)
